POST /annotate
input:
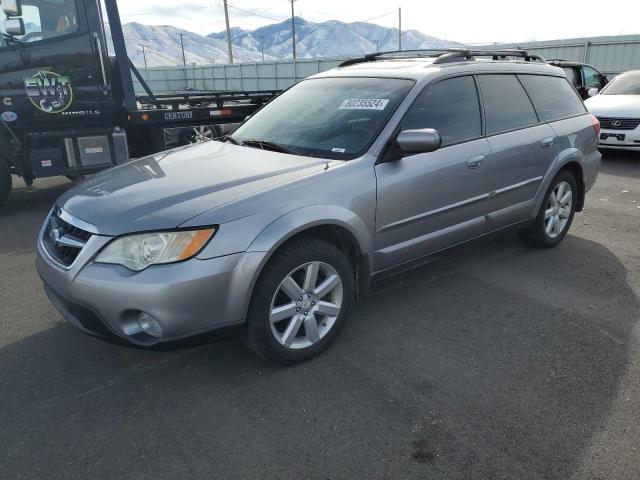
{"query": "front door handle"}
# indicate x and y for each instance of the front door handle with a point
(546, 142)
(475, 161)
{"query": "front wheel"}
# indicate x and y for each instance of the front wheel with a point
(5, 182)
(300, 301)
(556, 213)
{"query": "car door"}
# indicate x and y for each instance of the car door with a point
(591, 79)
(574, 76)
(522, 148)
(428, 201)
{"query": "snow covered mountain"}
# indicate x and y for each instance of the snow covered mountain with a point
(329, 39)
(162, 47)
(326, 39)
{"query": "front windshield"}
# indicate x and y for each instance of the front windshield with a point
(625, 84)
(44, 19)
(327, 117)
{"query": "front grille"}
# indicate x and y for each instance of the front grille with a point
(63, 241)
(611, 123)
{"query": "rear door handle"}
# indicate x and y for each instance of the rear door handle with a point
(546, 142)
(475, 161)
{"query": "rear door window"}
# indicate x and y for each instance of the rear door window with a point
(553, 97)
(451, 107)
(506, 104)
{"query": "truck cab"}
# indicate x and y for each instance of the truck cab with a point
(68, 108)
(60, 115)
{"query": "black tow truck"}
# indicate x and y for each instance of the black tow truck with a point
(69, 108)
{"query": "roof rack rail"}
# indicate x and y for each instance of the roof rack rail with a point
(455, 55)
(371, 57)
(447, 55)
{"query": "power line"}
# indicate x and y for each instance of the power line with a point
(379, 16)
(255, 13)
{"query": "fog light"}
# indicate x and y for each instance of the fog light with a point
(149, 325)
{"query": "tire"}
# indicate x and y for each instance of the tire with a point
(277, 327)
(5, 183)
(553, 221)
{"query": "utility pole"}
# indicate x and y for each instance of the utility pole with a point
(377, 46)
(399, 28)
(184, 60)
(226, 20)
(293, 30)
(144, 55)
(262, 46)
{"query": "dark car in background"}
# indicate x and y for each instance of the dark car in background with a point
(582, 76)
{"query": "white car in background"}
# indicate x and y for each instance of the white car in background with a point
(617, 107)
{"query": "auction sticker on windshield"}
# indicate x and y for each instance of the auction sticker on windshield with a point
(364, 104)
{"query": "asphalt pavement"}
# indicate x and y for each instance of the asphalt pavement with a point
(494, 361)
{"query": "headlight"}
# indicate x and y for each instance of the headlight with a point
(137, 252)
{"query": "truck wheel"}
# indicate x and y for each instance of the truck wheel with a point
(5, 183)
(555, 215)
(300, 301)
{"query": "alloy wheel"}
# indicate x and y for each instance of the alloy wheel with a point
(200, 134)
(306, 305)
(558, 209)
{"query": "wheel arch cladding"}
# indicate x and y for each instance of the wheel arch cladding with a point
(575, 168)
(334, 224)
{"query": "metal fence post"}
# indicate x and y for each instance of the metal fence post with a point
(586, 52)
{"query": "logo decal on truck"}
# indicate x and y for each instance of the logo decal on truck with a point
(9, 116)
(49, 92)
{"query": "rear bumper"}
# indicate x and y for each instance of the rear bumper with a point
(590, 168)
(187, 298)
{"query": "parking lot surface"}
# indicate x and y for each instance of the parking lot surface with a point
(494, 361)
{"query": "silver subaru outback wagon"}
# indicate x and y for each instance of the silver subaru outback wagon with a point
(348, 176)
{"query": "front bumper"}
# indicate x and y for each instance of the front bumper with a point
(187, 298)
(620, 139)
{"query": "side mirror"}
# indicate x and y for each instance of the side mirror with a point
(592, 92)
(12, 8)
(423, 140)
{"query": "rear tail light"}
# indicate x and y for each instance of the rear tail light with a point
(596, 124)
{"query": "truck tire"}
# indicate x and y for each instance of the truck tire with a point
(5, 182)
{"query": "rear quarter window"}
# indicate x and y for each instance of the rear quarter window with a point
(553, 97)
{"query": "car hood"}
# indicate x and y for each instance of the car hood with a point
(624, 106)
(165, 190)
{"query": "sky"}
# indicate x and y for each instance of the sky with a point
(466, 21)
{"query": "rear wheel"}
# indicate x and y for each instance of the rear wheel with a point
(300, 301)
(556, 213)
(5, 182)
(201, 133)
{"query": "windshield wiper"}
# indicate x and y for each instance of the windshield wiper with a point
(266, 145)
(229, 138)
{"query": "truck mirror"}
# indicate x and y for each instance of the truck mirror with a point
(12, 8)
(14, 26)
